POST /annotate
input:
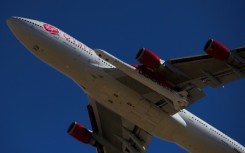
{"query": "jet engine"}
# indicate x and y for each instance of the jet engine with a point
(148, 58)
(217, 50)
(82, 134)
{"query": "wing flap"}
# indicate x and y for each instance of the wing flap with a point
(120, 135)
(203, 70)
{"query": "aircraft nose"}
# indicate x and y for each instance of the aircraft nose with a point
(15, 25)
(12, 21)
(22, 30)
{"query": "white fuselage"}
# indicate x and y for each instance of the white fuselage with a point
(81, 64)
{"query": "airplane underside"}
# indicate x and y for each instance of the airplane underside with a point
(128, 104)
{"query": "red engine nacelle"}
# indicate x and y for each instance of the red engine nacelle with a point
(148, 58)
(217, 50)
(81, 133)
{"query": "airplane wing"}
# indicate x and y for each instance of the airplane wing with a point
(203, 70)
(188, 75)
(114, 133)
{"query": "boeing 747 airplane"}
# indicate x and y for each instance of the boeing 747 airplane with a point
(128, 104)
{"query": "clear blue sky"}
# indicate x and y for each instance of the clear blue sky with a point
(38, 103)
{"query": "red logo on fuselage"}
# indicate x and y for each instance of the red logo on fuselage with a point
(51, 29)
